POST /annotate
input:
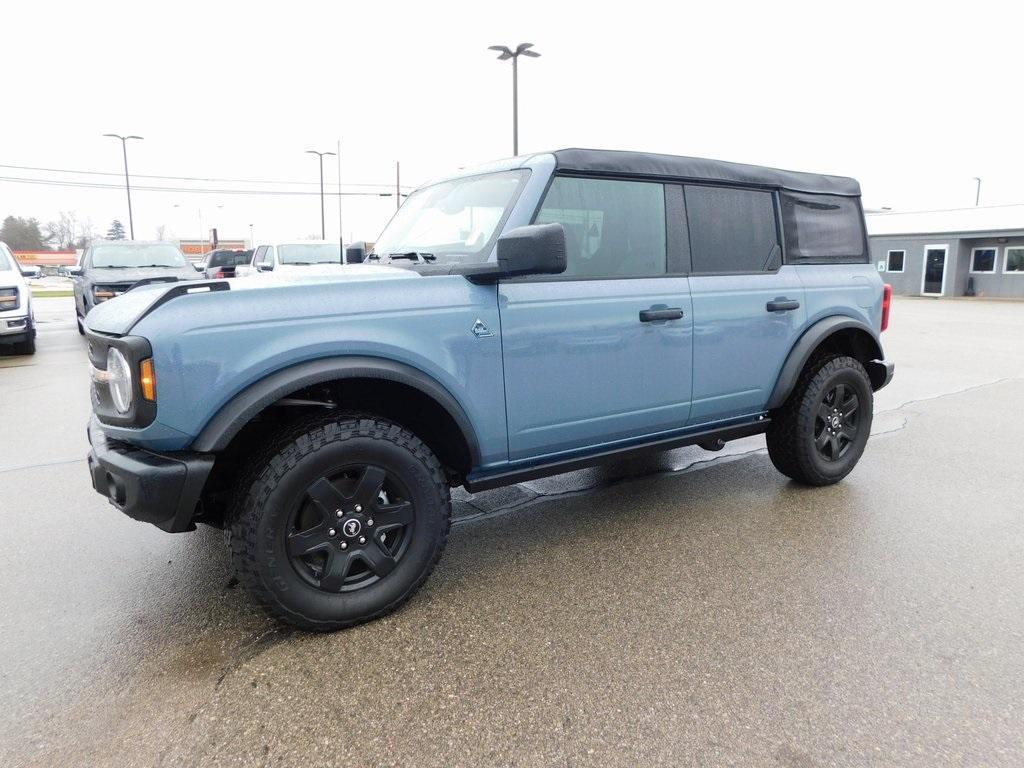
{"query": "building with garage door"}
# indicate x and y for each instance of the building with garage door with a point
(958, 252)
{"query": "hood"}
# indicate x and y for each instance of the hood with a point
(11, 279)
(316, 269)
(118, 315)
(106, 276)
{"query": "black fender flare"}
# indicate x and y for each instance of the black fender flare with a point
(241, 408)
(810, 341)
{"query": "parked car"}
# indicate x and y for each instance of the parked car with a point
(532, 317)
(17, 321)
(222, 262)
(291, 257)
(111, 268)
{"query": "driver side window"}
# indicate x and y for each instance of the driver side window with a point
(612, 228)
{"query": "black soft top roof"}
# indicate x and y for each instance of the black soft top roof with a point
(699, 169)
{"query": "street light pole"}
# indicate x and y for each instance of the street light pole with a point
(127, 184)
(504, 52)
(977, 191)
(323, 220)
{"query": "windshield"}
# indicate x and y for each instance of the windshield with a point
(137, 255)
(454, 220)
(310, 253)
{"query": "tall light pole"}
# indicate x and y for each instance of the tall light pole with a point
(323, 220)
(504, 52)
(977, 191)
(127, 185)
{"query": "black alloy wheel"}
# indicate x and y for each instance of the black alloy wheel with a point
(835, 428)
(350, 529)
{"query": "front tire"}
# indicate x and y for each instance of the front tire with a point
(339, 521)
(819, 434)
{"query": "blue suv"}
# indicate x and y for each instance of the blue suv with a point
(522, 319)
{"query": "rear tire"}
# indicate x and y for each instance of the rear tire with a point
(314, 569)
(26, 347)
(819, 434)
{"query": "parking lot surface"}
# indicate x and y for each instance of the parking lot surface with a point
(691, 609)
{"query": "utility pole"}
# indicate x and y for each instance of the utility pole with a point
(398, 185)
(977, 191)
(323, 219)
(127, 183)
(341, 240)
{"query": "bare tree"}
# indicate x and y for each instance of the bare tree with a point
(68, 232)
(63, 232)
(161, 232)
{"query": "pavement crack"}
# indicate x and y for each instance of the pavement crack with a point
(62, 462)
(942, 395)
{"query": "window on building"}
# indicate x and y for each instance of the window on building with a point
(823, 229)
(1014, 260)
(895, 261)
(983, 260)
(612, 228)
(732, 230)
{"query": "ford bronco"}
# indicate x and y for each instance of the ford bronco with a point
(522, 319)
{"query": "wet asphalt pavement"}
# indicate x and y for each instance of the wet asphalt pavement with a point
(691, 609)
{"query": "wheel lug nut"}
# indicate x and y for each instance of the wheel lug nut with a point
(358, 508)
(344, 545)
(339, 513)
(331, 532)
(362, 539)
(370, 521)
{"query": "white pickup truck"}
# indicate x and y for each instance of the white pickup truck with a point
(291, 257)
(17, 323)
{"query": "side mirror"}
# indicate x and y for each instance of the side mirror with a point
(355, 253)
(537, 249)
(266, 267)
(30, 272)
(73, 271)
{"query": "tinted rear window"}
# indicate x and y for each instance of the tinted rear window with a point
(229, 258)
(823, 229)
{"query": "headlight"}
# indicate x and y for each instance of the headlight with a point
(120, 380)
(8, 298)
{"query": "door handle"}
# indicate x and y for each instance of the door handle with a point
(651, 315)
(783, 305)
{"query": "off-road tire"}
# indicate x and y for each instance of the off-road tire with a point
(26, 347)
(791, 434)
(267, 496)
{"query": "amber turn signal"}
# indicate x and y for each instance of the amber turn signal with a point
(147, 379)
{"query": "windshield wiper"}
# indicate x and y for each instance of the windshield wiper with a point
(414, 256)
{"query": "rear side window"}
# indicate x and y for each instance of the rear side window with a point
(823, 229)
(612, 228)
(732, 230)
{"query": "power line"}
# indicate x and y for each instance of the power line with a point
(181, 178)
(179, 190)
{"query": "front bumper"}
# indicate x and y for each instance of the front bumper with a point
(158, 488)
(14, 329)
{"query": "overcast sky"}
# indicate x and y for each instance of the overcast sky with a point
(913, 100)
